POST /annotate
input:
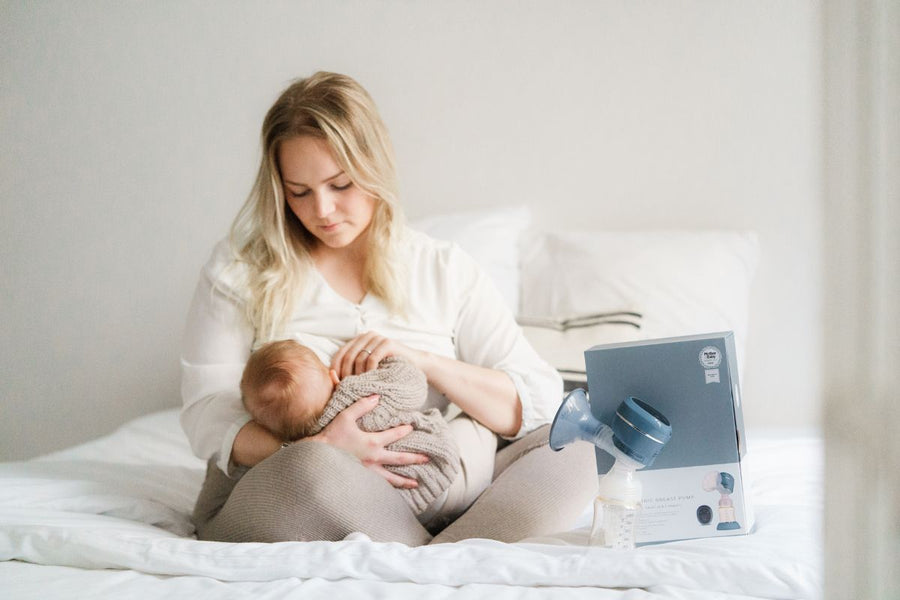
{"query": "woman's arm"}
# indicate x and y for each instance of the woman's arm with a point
(253, 444)
(486, 334)
(468, 386)
(215, 347)
(464, 384)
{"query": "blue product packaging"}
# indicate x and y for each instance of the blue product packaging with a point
(695, 488)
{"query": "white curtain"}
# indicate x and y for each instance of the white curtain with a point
(862, 296)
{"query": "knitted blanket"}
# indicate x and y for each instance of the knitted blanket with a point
(402, 388)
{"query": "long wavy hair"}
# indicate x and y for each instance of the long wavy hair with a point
(271, 241)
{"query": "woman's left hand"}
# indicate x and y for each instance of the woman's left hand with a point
(365, 351)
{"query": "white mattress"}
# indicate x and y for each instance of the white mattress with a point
(110, 518)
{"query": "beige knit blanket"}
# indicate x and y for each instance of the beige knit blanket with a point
(403, 389)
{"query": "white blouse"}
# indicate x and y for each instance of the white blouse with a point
(453, 310)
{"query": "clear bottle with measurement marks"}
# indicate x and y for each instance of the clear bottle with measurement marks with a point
(617, 506)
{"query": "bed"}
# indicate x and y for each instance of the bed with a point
(111, 517)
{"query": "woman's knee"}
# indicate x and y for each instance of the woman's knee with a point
(290, 496)
(570, 473)
(509, 454)
(312, 491)
(308, 477)
(578, 458)
(575, 467)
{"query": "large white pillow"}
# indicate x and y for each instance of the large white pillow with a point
(491, 236)
(680, 282)
(562, 342)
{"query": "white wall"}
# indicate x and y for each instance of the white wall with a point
(129, 139)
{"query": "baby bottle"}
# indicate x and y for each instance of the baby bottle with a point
(617, 505)
(637, 435)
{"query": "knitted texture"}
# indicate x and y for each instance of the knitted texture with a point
(313, 491)
(402, 389)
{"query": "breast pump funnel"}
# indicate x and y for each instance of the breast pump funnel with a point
(574, 421)
(637, 435)
(638, 431)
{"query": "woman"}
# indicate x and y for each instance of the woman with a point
(320, 250)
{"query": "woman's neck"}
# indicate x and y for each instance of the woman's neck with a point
(343, 269)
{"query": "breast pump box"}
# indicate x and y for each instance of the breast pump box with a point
(695, 487)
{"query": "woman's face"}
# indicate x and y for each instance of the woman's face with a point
(321, 195)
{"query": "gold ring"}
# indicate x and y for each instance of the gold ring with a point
(366, 350)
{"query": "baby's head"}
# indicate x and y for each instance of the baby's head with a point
(285, 388)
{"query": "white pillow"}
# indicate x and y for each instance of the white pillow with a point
(562, 344)
(681, 282)
(491, 236)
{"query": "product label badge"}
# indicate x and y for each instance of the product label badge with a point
(712, 376)
(710, 357)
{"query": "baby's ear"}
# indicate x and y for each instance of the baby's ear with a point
(334, 376)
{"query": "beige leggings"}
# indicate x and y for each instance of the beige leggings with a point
(313, 491)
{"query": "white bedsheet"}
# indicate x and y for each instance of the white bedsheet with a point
(122, 502)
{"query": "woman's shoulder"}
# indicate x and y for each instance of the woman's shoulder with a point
(417, 241)
(423, 251)
(225, 270)
(440, 272)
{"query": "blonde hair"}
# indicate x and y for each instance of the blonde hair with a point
(285, 388)
(268, 238)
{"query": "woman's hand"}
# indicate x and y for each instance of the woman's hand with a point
(463, 384)
(365, 351)
(369, 447)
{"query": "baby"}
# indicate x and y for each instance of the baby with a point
(288, 390)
